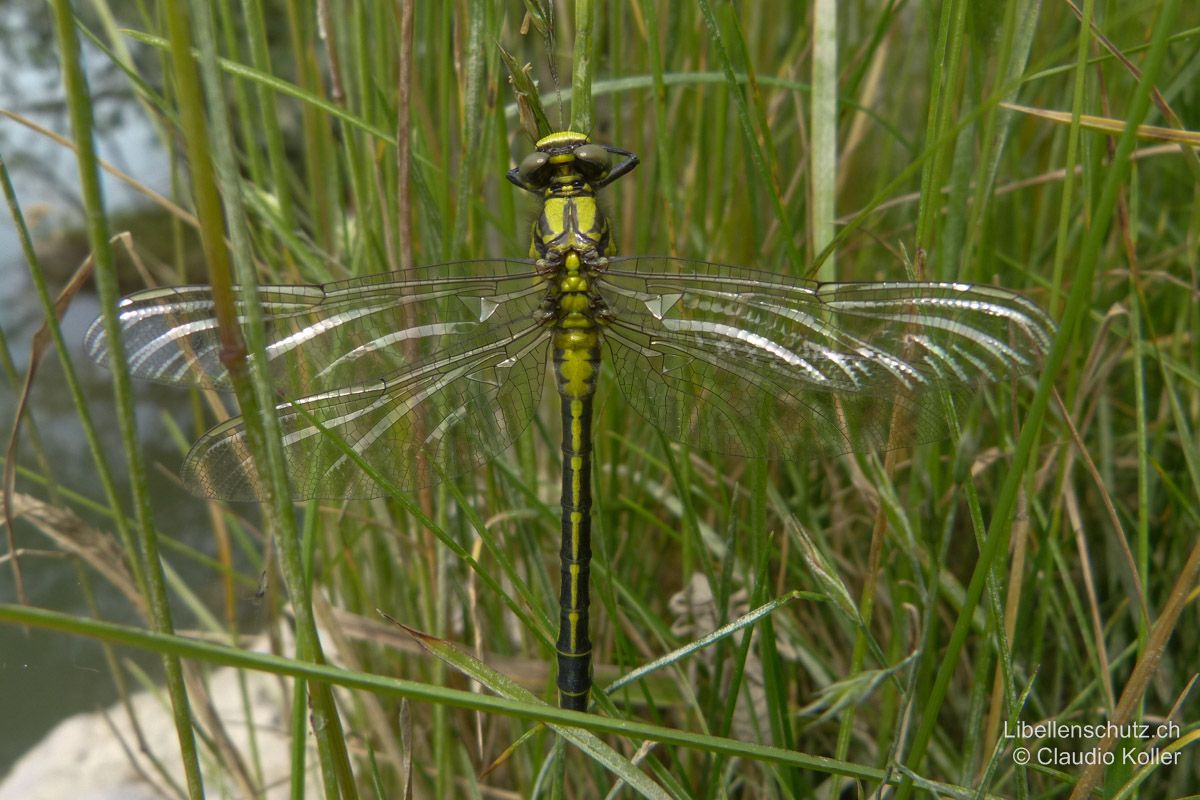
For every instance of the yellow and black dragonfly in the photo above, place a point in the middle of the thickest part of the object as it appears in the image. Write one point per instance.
(428, 373)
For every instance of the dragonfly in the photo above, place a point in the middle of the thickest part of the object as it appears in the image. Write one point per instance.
(428, 373)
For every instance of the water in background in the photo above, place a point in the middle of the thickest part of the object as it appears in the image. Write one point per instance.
(45, 677)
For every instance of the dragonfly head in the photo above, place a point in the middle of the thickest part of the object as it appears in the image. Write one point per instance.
(568, 158)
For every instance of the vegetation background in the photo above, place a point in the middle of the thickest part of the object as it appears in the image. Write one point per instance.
(1039, 564)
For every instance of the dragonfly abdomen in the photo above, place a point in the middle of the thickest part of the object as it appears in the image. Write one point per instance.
(576, 367)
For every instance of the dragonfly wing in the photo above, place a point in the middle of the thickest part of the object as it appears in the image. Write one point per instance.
(324, 337)
(740, 361)
(438, 418)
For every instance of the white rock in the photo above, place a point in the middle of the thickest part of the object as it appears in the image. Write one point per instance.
(95, 756)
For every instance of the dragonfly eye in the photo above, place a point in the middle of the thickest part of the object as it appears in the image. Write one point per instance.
(533, 168)
(593, 160)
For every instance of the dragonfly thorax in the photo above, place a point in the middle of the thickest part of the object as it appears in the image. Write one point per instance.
(571, 224)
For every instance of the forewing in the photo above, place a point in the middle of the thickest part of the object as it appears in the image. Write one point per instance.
(744, 362)
(320, 338)
(440, 417)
